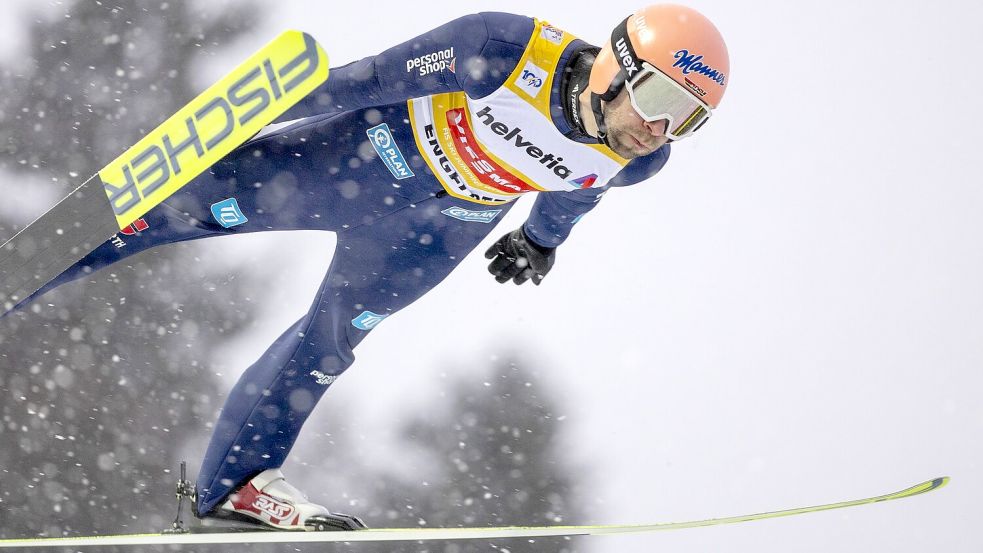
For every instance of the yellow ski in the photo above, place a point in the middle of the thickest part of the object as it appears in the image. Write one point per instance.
(422, 534)
(213, 124)
(208, 128)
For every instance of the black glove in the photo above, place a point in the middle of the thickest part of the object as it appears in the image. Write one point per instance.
(517, 258)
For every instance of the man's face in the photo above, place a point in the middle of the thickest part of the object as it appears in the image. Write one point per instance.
(629, 135)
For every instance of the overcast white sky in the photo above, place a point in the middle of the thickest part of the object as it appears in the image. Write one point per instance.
(791, 313)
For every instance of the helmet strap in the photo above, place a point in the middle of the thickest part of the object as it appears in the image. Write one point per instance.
(628, 65)
(602, 128)
(617, 83)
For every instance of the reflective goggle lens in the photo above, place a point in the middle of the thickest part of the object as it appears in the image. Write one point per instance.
(655, 96)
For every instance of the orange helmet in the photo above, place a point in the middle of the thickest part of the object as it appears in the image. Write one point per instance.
(655, 47)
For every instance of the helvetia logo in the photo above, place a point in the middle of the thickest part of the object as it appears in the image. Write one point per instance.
(513, 135)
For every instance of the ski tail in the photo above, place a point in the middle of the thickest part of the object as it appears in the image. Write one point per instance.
(208, 128)
(220, 119)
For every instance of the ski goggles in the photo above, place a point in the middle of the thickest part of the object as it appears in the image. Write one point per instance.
(656, 96)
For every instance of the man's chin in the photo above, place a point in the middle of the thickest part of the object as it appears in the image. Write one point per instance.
(624, 146)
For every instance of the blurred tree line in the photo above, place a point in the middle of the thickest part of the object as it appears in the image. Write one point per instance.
(105, 382)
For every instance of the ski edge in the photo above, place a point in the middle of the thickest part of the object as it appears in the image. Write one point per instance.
(424, 534)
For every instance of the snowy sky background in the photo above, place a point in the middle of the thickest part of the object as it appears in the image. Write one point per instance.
(791, 313)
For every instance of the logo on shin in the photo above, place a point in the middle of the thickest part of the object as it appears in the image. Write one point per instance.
(367, 320)
(228, 214)
(381, 138)
(470, 216)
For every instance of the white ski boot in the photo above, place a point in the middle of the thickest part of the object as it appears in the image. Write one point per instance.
(269, 500)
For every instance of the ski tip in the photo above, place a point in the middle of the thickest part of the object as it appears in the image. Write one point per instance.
(924, 487)
(939, 482)
(295, 34)
(292, 32)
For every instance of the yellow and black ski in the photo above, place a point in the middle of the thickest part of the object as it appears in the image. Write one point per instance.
(220, 119)
(419, 534)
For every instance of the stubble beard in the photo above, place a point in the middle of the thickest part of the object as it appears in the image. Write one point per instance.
(622, 144)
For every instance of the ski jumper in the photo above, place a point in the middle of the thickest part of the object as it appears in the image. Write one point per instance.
(411, 157)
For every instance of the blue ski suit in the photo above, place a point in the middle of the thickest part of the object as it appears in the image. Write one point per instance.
(359, 157)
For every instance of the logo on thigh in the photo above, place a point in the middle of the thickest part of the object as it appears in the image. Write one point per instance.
(134, 229)
(471, 216)
(367, 320)
(228, 214)
(381, 138)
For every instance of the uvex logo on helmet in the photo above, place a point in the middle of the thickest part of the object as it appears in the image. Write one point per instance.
(693, 63)
(627, 59)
